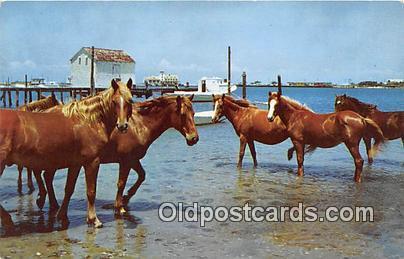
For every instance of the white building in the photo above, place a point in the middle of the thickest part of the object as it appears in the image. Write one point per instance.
(162, 80)
(108, 64)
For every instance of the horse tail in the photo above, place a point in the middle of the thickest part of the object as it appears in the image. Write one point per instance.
(309, 149)
(374, 131)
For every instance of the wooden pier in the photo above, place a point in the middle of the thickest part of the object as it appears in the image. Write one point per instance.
(16, 96)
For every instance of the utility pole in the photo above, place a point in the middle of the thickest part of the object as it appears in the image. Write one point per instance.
(228, 69)
(92, 85)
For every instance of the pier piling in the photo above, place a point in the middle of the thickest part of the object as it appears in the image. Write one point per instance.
(244, 79)
(17, 98)
(10, 100)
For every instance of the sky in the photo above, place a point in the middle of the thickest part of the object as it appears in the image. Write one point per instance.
(303, 41)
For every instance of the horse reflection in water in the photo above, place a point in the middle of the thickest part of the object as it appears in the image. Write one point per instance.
(148, 121)
(78, 130)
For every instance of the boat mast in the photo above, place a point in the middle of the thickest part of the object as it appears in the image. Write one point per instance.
(228, 70)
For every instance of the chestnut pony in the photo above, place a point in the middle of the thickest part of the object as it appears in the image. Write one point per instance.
(70, 136)
(149, 120)
(391, 123)
(250, 124)
(35, 106)
(322, 130)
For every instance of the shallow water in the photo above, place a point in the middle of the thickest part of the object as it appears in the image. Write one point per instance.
(206, 173)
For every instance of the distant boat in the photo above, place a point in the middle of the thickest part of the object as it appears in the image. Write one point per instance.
(213, 85)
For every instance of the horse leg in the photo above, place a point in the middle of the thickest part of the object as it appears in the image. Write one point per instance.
(354, 150)
(124, 168)
(368, 144)
(40, 200)
(5, 217)
(243, 143)
(253, 153)
(290, 152)
(29, 178)
(53, 203)
(91, 173)
(137, 166)
(71, 180)
(19, 181)
(299, 146)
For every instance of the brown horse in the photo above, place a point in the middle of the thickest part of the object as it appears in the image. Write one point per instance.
(322, 130)
(391, 123)
(71, 136)
(35, 106)
(250, 124)
(148, 121)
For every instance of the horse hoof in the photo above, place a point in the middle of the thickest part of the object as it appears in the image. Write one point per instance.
(40, 202)
(94, 222)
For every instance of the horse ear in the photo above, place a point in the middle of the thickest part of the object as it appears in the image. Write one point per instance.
(279, 85)
(213, 97)
(129, 84)
(114, 84)
(191, 97)
(344, 95)
(178, 103)
(223, 95)
(269, 93)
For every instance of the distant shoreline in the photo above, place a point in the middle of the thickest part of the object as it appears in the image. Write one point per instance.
(327, 87)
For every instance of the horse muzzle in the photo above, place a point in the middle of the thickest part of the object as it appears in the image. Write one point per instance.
(192, 139)
(122, 127)
(271, 119)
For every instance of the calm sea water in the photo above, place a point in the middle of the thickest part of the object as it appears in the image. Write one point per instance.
(206, 173)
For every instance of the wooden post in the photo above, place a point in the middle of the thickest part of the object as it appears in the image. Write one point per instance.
(203, 86)
(4, 99)
(228, 70)
(30, 96)
(244, 79)
(25, 90)
(92, 85)
(10, 100)
(38, 94)
(17, 98)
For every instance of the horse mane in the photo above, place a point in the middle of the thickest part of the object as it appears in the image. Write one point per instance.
(91, 108)
(241, 102)
(365, 108)
(155, 104)
(40, 105)
(296, 104)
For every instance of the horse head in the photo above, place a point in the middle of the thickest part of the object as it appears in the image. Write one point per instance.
(122, 103)
(218, 101)
(274, 100)
(183, 119)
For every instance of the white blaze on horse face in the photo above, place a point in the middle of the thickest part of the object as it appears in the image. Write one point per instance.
(271, 111)
(121, 106)
(338, 102)
(215, 111)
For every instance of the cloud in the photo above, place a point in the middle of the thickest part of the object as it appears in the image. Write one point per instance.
(167, 65)
(27, 64)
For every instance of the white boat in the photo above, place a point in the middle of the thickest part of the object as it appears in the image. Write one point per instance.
(213, 85)
(204, 118)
